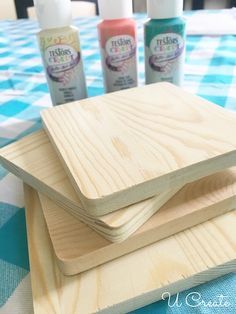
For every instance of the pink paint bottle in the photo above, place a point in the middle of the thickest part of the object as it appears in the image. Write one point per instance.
(118, 44)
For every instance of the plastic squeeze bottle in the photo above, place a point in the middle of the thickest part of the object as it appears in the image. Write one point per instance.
(60, 50)
(118, 44)
(164, 42)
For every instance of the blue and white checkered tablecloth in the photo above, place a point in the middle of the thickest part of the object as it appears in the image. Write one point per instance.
(210, 73)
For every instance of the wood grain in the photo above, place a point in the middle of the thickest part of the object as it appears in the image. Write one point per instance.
(109, 161)
(185, 260)
(35, 162)
(78, 248)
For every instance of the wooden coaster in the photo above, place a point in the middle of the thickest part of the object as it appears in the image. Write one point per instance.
(35, 162)
(78, 248)
(185, 260)
(124, 147)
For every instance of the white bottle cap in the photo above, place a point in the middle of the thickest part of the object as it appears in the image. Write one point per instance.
(53, 13)
(115, 9)
(164, 9)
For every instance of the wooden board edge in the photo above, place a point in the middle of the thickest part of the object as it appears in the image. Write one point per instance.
(139, 240)
(180, 286)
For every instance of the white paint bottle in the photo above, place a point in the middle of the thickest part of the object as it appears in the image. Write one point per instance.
(60, 50)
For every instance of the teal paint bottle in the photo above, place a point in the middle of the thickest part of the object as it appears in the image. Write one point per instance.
(164, 42)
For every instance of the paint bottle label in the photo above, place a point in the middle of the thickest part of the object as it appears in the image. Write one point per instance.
(119, 58)
(165, 58)
(64, 68)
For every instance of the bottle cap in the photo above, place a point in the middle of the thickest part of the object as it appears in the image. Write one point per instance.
(164, 9)
(115, 9)
(53, 13)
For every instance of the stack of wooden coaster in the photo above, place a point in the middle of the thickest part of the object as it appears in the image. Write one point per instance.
(115, 174)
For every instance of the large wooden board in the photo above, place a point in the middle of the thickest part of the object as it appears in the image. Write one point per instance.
(78, 248)
(34, 160)
(180, 262)
(111, 164)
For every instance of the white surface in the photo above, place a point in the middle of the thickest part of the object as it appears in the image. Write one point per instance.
(11, 191)
(31, 13)
(111, 10)
(7, 9)
(159, 9)
(223, 23)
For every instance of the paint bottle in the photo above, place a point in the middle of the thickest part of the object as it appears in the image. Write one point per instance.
(118, 44)
(60, 50)
(164, 42)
